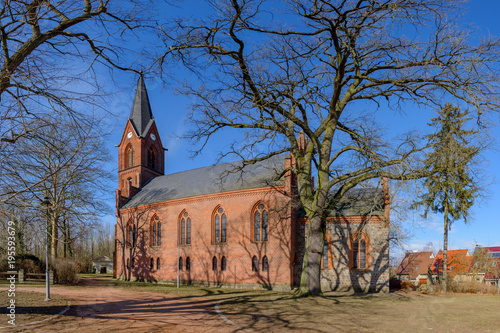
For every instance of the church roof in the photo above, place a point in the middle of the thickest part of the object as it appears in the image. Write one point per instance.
(360, 202)
(141, 116)
(209, 180)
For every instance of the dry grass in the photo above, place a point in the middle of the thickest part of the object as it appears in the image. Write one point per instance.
(368, 313)
(30, 306)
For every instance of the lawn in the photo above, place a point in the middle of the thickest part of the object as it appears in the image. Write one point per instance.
(30, 306)
(270, 311)
(262, 310)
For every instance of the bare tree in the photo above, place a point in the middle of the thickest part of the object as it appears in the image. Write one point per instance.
(64, 164)
(50, 50)
(323, 68)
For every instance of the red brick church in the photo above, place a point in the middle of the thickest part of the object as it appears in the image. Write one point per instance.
(225, 225)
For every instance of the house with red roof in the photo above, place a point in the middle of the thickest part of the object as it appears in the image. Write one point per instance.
(415, 266)
(459, 262)
(485, 265)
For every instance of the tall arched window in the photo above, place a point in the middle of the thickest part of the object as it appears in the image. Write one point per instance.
(151, 264)
(158, 238)
(158, 263)
(260, 223)
(223, 263)
(130, 235)
(185, 229)
(325, 254)
(255, 264)
(156, 231)
(188, 264)
(152, 157)
(130, 157)
(214, 263)
(134, 238)
(181, 264)
(359, 251)
(219, 226)
(265, 264)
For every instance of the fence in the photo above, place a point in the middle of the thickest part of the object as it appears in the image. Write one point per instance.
(34, 277)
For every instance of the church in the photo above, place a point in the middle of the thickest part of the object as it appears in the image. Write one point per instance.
(232, 226)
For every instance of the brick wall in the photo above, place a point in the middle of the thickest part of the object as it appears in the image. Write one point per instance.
(238, 249)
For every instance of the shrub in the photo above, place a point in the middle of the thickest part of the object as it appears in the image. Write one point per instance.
(469, 287)
(65, 271)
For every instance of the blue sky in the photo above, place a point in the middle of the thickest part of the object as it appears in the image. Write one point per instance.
(169, 111)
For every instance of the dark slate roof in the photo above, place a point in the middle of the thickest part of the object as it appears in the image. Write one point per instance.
(141, 116)
(358, 202)
(209, 180)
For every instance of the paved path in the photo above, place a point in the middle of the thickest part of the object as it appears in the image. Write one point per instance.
(101, 308)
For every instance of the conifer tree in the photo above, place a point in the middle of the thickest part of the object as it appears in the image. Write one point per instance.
(451, 188)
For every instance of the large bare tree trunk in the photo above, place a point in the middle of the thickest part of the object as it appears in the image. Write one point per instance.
(310, 280)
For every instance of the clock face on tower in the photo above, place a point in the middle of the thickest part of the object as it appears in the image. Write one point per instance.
(129, 135)
(153, 137)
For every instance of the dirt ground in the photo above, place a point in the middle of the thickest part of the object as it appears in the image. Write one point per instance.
(96, 307)
(110, 306)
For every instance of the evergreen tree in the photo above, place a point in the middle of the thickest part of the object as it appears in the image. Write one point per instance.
(451, 188)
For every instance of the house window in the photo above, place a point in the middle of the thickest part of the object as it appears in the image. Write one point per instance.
(156, 232)
(185, 229)
(188, 264)
(255, 264)
(223, 264)
(158, 263)
(214, 264)
(152, 157)
(151, 264)
(358, 255)
(265, 264)
(219, 226)
(181, 264)
(130, 157)
(260, 223)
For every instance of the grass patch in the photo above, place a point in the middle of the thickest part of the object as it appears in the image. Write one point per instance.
(30, 306)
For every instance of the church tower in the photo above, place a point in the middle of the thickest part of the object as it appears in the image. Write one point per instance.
(141, 153)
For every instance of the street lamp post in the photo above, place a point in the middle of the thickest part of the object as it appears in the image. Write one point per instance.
(46, 205)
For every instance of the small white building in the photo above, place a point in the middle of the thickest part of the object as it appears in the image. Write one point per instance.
(103, 265)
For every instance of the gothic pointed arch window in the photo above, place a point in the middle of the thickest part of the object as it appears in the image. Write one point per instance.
(188, 264)
(359, 251)
(151, 264)
(223, 264)
(130, 157)
(260, 223)
(185, 229)
(155, 231)
(219, 226)
(181, 264)
(131, 234)
(158, 263)
(265, 264)
(152, 157)
(255, 264)
(214, 263)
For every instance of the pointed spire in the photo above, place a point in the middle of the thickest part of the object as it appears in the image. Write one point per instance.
(141, 116)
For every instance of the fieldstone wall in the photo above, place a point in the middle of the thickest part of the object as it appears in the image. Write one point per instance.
(338, 276)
